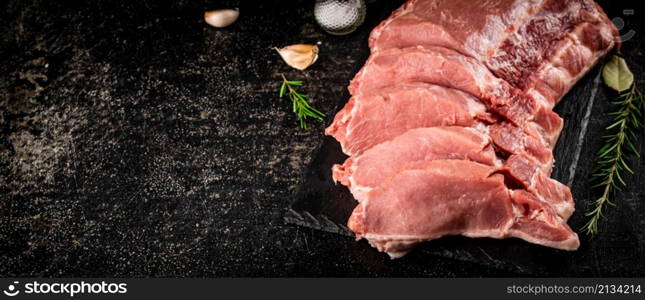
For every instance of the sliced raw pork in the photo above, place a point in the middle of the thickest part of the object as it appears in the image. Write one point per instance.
(454, 197)
(450, 126)
(383, 114)
(362, 173)
(540, 46)
(441, 66)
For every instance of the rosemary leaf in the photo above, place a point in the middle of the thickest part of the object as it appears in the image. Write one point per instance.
(611, 165)
(299, 104)
(283, 88)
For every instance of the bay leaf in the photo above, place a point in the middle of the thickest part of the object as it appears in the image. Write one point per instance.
(617, 75)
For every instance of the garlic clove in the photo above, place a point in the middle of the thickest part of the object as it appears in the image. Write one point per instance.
(299, 56)
(221, 17)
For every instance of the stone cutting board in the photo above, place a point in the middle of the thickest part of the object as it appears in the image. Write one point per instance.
(619, 248)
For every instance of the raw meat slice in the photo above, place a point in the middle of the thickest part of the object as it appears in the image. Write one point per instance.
(383, 114)
(539, 45)
(435, 65)
(513, 140)
(474, 28)
(537, 223)
(527, 173)
(362, 173)
(441, 66)
(571, 59)
(451, 197)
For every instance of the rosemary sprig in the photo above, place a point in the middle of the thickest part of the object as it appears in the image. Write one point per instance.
(299, 102)
(619, 144)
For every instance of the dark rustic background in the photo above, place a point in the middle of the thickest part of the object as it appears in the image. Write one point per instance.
(137, 141)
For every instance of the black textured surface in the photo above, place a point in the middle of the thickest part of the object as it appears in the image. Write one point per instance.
(137, 141)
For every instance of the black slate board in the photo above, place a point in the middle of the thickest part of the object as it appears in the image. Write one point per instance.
(322, 205)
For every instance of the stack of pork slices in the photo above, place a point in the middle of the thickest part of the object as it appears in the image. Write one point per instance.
(450, 128)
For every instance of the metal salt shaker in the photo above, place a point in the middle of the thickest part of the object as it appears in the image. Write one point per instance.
(339, 17)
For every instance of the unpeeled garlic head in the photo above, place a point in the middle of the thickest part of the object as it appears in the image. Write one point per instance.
(221, 17)
(299, 56)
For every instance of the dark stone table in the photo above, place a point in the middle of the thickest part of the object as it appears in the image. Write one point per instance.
(135, 140)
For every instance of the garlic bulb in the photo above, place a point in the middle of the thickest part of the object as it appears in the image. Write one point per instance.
(299, 56)
(221, 17)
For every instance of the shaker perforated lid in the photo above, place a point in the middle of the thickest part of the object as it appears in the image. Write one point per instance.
(339, 17)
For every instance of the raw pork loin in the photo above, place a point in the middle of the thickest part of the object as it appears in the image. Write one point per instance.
(443, 197)
(450, 125)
